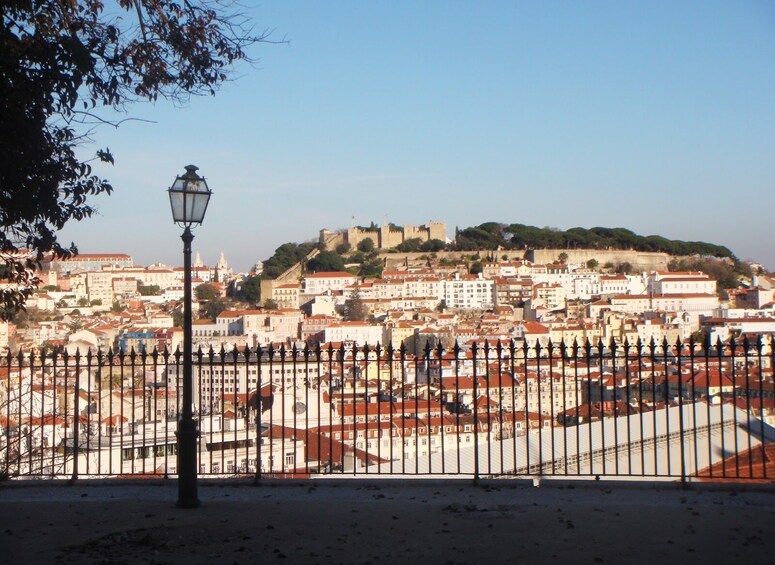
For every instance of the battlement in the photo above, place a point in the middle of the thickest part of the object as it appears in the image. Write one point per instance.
(384, 237)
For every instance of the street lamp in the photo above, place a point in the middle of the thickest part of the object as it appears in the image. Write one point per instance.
(189, 195)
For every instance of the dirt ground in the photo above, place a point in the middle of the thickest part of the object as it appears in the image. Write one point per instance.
(407, 522)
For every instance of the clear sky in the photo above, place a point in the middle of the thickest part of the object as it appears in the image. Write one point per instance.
(654, 116)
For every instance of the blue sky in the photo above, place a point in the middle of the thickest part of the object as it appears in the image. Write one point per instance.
(654, 116)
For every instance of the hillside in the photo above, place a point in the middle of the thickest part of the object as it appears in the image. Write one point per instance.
(365, 260)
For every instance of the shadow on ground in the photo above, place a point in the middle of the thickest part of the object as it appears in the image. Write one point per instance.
(413, 521)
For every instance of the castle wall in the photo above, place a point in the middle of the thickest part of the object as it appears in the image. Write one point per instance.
(437, 230)
(640, 260)
(384, 237)
(390, 237)
(355, 235)
(330, 239)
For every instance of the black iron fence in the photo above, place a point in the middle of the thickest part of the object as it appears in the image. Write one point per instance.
(682, 411)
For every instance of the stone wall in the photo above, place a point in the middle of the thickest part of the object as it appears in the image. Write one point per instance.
(384, 237)
(640, 260)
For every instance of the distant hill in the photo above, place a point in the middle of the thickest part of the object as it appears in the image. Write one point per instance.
(494, 235)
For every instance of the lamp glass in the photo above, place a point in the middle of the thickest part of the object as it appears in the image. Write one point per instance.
(189, 196)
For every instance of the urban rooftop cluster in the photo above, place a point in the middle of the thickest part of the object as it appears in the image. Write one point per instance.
(336, 371)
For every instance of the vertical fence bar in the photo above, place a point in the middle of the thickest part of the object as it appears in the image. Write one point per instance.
(748, 407)
(294, 367)
(259, 452)
(474, 351)
(693, 398)
(236, 409)
(76, 414)
(342, 378)
(762, 439)
(527, 395)
(540, 409)
(390, 354)
(681, 423)
(60, 400)
(56, 425)
(318, 379)
(601, 388)
(615, 399)
(456, 353)
(487, 399)
(590, 438)
(367, 401)
(720, 356)
(378, 427)
(562, 416)
(628, 400)
(7, 455)
(641, 404)
(88, 420)
(733, 377)
(308, 382)
(501, 399)
(550, 361)
(577, 405)
(429, 416)
(442, 416)
(707, 407)
(330, 353)
(415, 425)
(273, 407)
(665, 353)
(43, 418)
(166, 411)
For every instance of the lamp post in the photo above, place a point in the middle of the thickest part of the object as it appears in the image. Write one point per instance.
(189, 195)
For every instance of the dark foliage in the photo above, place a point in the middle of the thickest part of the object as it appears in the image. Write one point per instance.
(366, 245)
(326, 261)
(250, 290)
(354, 308)
(285, 257)
(206, 291)
(61, 61)
(492, 235)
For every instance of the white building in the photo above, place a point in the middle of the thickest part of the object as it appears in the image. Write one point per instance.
(469, 292)
(322, 283)
(359, 332)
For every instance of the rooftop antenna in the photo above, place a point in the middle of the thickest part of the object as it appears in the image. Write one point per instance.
(352, 222)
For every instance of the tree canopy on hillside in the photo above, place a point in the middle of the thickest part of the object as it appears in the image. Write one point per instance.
(493, 235)
(326, 261)
(285, 257)
(251, 289)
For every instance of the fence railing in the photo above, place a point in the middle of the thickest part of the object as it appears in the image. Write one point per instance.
(679, 411)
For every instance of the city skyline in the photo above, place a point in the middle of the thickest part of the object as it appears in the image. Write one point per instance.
(654, 117)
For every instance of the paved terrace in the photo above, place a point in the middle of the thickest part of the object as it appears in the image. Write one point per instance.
(410, 521)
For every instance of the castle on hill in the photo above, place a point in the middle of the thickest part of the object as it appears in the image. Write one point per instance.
(384, 237)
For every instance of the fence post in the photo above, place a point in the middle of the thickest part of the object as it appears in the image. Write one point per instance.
(76, 410)
(681, 424)
(474, 350)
